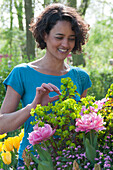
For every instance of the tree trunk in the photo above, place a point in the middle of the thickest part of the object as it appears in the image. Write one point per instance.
(11, 26)
(30, 43)
(79, 59)
(19, 9)
(83, 7)
(73, 3)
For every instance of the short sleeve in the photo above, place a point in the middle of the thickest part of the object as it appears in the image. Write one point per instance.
(14, 79)
(84, 79)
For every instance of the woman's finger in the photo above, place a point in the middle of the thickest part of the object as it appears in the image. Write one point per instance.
(54, 88)
(40, 90)
(54, 98)
(47, 87)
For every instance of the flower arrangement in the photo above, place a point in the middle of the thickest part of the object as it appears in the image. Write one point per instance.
(69, 135)
(65, 135)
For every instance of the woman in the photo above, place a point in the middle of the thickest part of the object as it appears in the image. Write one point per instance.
(60, 30)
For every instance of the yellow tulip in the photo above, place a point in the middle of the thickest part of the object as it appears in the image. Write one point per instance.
(6, 157)
(1, 145)
(3, 136)
(16, 142)
(4, 148)
(8, 144)
(21, 134)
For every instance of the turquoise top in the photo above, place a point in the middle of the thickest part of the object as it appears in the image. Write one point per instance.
(24, 80)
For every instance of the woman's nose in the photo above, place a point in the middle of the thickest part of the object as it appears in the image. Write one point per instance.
(65, 43)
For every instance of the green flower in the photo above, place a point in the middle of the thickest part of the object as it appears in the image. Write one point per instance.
(72, 127)
(32, 112)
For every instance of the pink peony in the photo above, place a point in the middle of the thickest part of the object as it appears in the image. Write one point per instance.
(40, 134)
(90, 121)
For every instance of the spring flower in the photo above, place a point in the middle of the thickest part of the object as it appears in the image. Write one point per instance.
(100, 103)
(1, 144)
(6, 157)
(8, 143)
(40, 134)
(21, 134)
(88, 122)
(82, 110)
(16, 142)
(3, 136)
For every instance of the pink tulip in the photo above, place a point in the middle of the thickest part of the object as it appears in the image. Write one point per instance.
(100, 104)
(40, 134)
(90, 121)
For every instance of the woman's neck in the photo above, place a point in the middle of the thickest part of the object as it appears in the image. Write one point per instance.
(51, 67)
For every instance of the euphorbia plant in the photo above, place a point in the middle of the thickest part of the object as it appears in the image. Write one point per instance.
(61, 116)
(65, 145)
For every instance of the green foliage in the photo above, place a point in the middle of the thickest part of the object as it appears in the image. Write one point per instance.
(4, 71)
(61, 115)
(107, 111)
(101, 80)
(90, 151)
(44, 162)
(97, 53)
(13, 42)
(99, 47)
(66, 145)
(110, 92)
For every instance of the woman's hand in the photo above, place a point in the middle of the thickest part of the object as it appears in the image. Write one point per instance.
(42, 94)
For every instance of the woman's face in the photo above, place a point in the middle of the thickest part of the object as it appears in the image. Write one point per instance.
(60, 41)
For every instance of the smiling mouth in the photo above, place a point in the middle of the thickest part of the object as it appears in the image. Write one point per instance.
(63, 50)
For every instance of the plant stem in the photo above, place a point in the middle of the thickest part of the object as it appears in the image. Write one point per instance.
(91, 140)
(45, 146)
(53, 147)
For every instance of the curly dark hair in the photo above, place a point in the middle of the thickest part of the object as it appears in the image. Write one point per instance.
(48, 19)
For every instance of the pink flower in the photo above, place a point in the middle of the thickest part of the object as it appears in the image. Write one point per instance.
(40, 134)
(100, 104)
(82, 110)
(90, 121)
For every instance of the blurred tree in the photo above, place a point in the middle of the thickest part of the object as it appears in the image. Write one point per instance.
(72, 3)
(78, 59)
(19, 8)
(47, 2)
(11, 25)
(30, 43)
(83, 7)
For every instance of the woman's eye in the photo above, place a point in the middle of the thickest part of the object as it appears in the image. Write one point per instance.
(59, 38)
(71, 39)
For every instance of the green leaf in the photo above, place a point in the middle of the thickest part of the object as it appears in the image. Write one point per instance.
(26, 168)
(34, 158)
(30, 168)
(44, 165)
(90, 151)
(44, 155)
(95, 140)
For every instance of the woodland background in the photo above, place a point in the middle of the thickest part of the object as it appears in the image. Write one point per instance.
(17, 44)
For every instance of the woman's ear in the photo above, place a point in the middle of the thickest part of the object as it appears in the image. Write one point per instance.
(45, 37)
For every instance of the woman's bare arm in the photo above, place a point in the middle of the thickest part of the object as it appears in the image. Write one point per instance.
(84, 94)
(10, 119)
